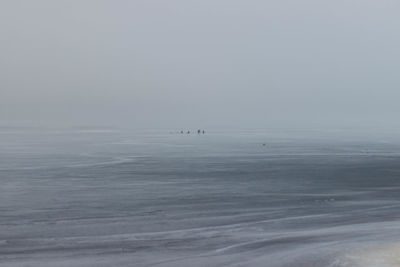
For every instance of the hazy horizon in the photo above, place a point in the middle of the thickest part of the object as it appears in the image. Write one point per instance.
(190, 64)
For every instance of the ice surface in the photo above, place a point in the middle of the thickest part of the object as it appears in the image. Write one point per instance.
(109, 198)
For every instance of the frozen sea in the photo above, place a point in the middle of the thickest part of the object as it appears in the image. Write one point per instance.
(270, 198)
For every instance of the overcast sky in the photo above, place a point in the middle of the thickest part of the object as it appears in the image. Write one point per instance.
(203, 63)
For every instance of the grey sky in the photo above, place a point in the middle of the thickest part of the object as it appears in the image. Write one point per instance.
(208, 63)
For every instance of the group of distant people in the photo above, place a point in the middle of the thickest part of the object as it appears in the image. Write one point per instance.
(199, 131)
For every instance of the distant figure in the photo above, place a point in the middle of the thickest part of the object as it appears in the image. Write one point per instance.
(204, 132)
(264, 144)
(188, 132)
(181, 132)
(198, 131)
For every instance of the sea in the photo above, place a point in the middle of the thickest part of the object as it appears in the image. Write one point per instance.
(263, 198)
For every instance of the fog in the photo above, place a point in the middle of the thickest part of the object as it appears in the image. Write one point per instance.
(210, 63)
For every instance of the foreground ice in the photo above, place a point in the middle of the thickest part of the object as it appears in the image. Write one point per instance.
(384, 256)
(121, 199)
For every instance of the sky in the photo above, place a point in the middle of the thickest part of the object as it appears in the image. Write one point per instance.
(210, 63)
